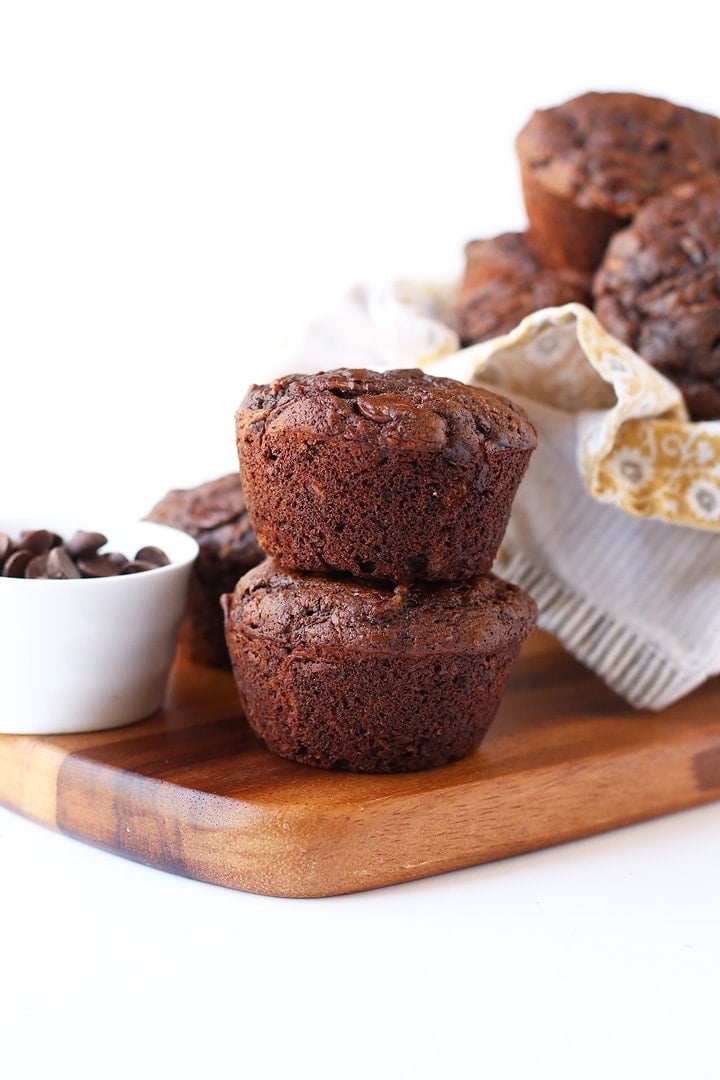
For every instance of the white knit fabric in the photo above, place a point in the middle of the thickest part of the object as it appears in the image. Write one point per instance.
(637, 601)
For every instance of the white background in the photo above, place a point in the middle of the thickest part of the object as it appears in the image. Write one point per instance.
(181, 185)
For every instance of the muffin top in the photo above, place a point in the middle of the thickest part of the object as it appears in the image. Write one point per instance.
(613, 151)
(405, 409)
(301, 610)
(658, 287)
(213, 513)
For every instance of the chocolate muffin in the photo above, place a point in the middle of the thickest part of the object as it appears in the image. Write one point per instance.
(399, 475)
(590, 164)
(658, 290)
(215, 515)
(355, 675)
(504, 282)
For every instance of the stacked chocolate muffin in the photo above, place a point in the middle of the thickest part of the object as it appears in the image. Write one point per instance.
(375, 638)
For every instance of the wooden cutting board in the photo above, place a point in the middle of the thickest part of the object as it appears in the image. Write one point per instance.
(192, 791)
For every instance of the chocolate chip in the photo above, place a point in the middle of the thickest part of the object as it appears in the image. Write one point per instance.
(85, 543)
(39, 541)
(117, 558)
(16, 564)
(101, 565)
(6, 546)
(137, 566)
(152, 555)
(416, 566)
(60, 566)
(37, 567)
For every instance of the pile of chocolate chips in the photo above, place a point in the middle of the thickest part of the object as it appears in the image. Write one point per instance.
(43, 554)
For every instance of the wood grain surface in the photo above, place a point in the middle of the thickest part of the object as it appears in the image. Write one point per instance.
(193, 792)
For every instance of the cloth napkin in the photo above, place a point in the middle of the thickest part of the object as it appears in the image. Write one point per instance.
(615, 530)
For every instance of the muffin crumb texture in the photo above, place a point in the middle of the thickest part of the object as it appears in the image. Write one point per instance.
(398, 475)
(355, 675)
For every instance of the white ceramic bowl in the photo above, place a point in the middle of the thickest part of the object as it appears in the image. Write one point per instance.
(84, 655)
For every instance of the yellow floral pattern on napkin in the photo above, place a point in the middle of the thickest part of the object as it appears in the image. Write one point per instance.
(636, 447)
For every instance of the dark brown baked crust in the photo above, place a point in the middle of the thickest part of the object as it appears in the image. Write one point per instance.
(504, 282)
(216, 516)
(588, 165)
(658, 290)
(355, 675)
(397, 475)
